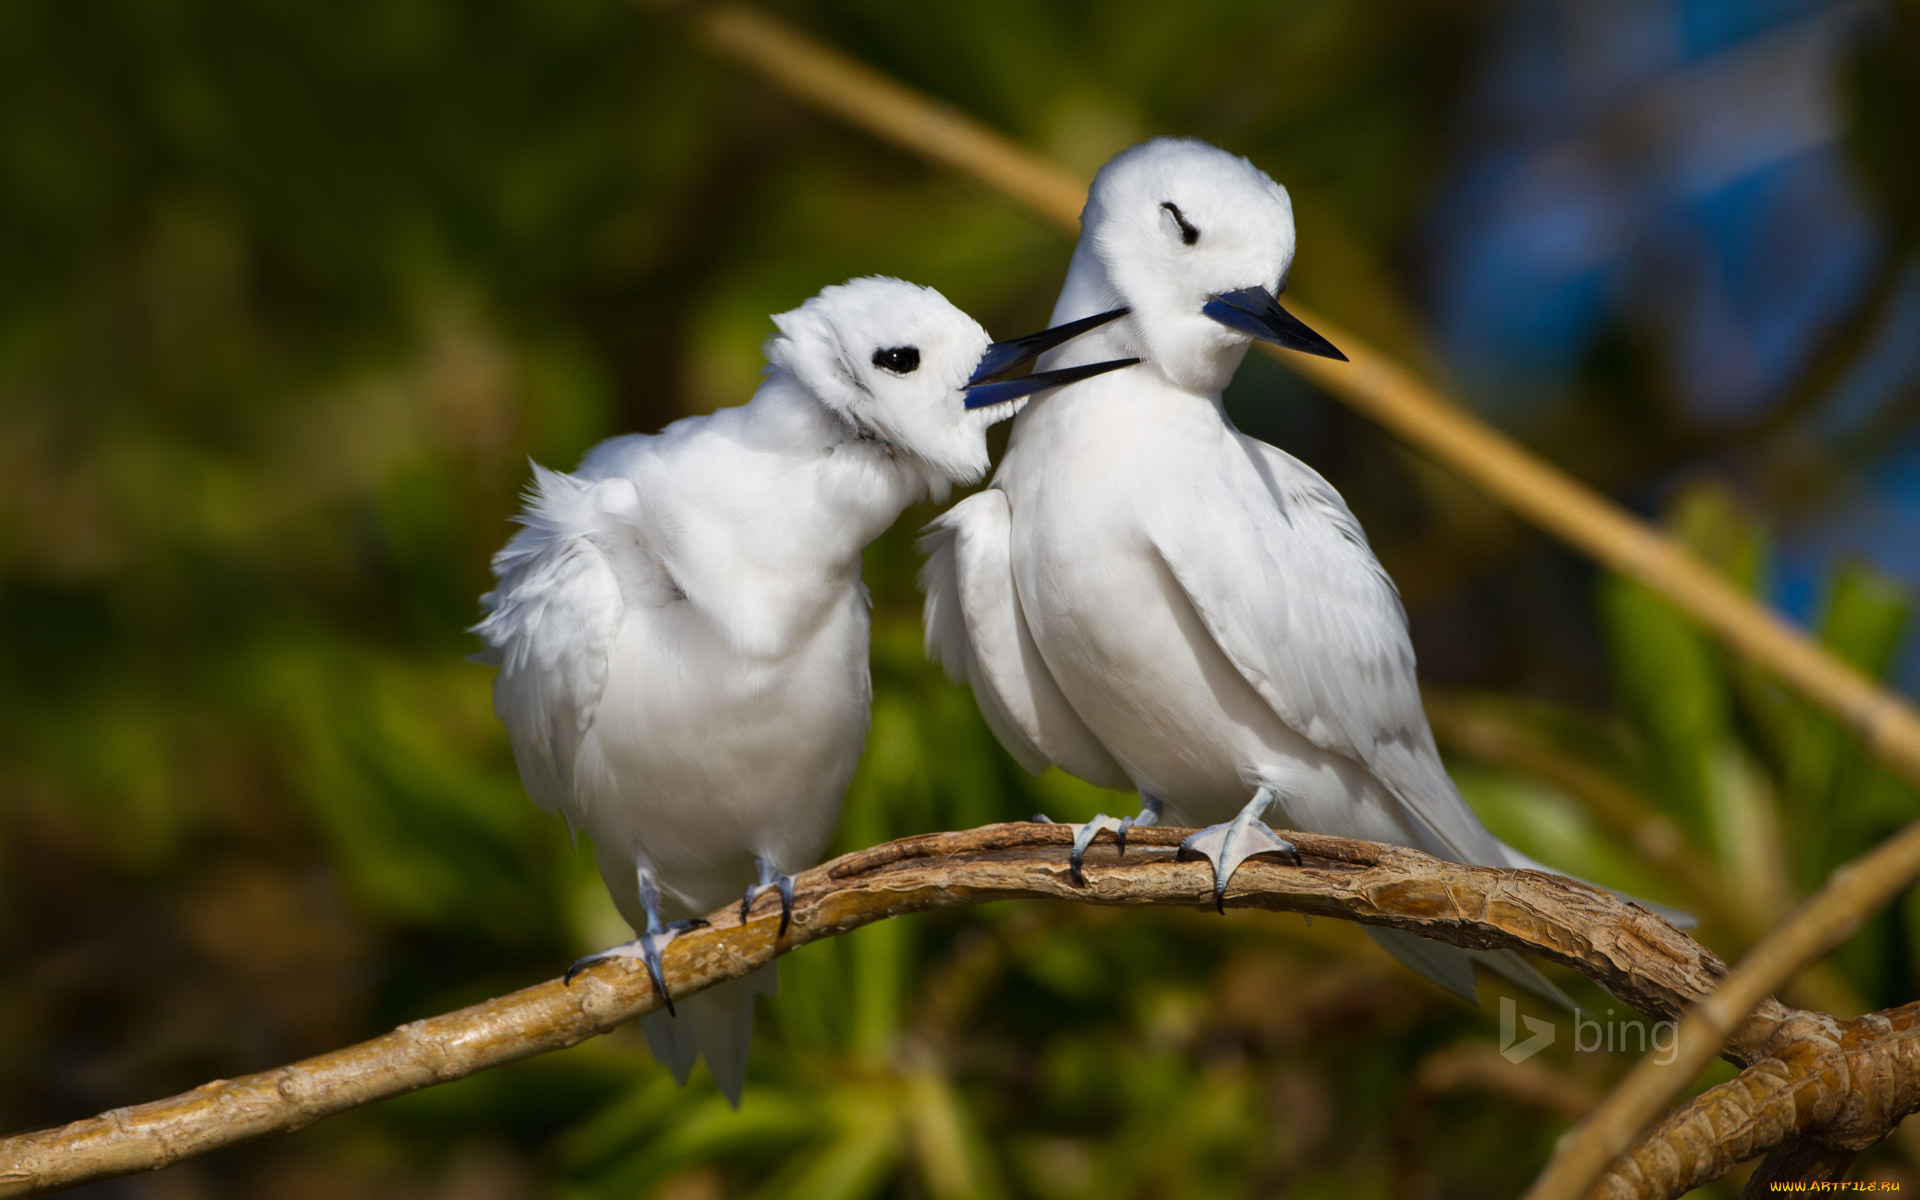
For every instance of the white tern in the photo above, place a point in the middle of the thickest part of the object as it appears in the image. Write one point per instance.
(682, 633)
(1152, 600)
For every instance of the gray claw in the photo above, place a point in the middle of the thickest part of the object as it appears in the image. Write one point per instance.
(642, 948)
(1083, 836)
(1149, 814)
(1077, 857)
(651, 957)
(1227, 846)
(656, 942)
(770, 877)
(647, 949)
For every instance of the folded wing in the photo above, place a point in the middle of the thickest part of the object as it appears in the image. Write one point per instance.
(1282, 576)
(550, 626)
(976, 632)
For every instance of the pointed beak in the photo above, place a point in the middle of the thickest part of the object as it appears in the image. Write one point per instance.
(1002, 358)
(1254, 310)
(999, 391)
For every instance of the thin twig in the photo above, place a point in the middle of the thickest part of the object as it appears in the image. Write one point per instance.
(1829, 917)
(1529, 1084)
(1373, 382)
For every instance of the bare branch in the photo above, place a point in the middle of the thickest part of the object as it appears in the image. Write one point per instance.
(1476, 730)
(1829, 917)
(1834, 1089)
(1861, 1070)
(1805, 1160)
(1634, 954)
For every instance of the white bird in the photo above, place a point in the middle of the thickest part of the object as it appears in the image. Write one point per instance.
(681, 629)
(1153, 600)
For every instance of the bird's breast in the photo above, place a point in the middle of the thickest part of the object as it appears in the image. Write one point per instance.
(1119, 636)
(700, 754)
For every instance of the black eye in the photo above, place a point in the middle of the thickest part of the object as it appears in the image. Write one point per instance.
(901, 360)
(1188, 233)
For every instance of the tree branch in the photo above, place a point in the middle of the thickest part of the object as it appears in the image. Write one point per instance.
(1833, 1089)
(1634, 954)
(1476, 729)
(1854, 893)
(1861, 1068)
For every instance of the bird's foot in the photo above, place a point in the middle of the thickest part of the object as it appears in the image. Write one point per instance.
(1227, 846)
(646, 948)
(770, 877)
(1083, 835)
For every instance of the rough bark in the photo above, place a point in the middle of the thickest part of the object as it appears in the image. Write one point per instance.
(1826, 1090)
(1827, 918)
(1858, 1072)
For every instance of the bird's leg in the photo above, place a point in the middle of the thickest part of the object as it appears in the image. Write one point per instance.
(648, 945)
(1084, 834)
(1227, 846)
(1149, 815)
(770, 877)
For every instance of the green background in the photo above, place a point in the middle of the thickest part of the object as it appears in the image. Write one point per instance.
(289, 294)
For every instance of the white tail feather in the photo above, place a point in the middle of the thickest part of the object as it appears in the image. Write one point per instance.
(1452, 968)
(717, 1023)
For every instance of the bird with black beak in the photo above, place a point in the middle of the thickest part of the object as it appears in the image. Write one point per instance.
(682, 632)
(1154, 601)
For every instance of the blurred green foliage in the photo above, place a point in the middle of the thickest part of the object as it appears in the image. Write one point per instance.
(288, 295)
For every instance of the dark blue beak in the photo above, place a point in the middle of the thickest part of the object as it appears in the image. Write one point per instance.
(990, 384)
(1254, 310)
(999, 391)
(1002, 357)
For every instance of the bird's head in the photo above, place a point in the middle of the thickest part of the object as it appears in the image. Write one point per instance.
(902, 366)
(1197, 243)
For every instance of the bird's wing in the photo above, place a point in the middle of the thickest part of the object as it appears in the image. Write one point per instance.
(550, 626)
(1282, 576)
(976, 632)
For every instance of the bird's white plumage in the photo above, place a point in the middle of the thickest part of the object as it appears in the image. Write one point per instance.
(1295, 598)
(551, 632)
(984, 642)
(1199, 604)
(681, 629)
